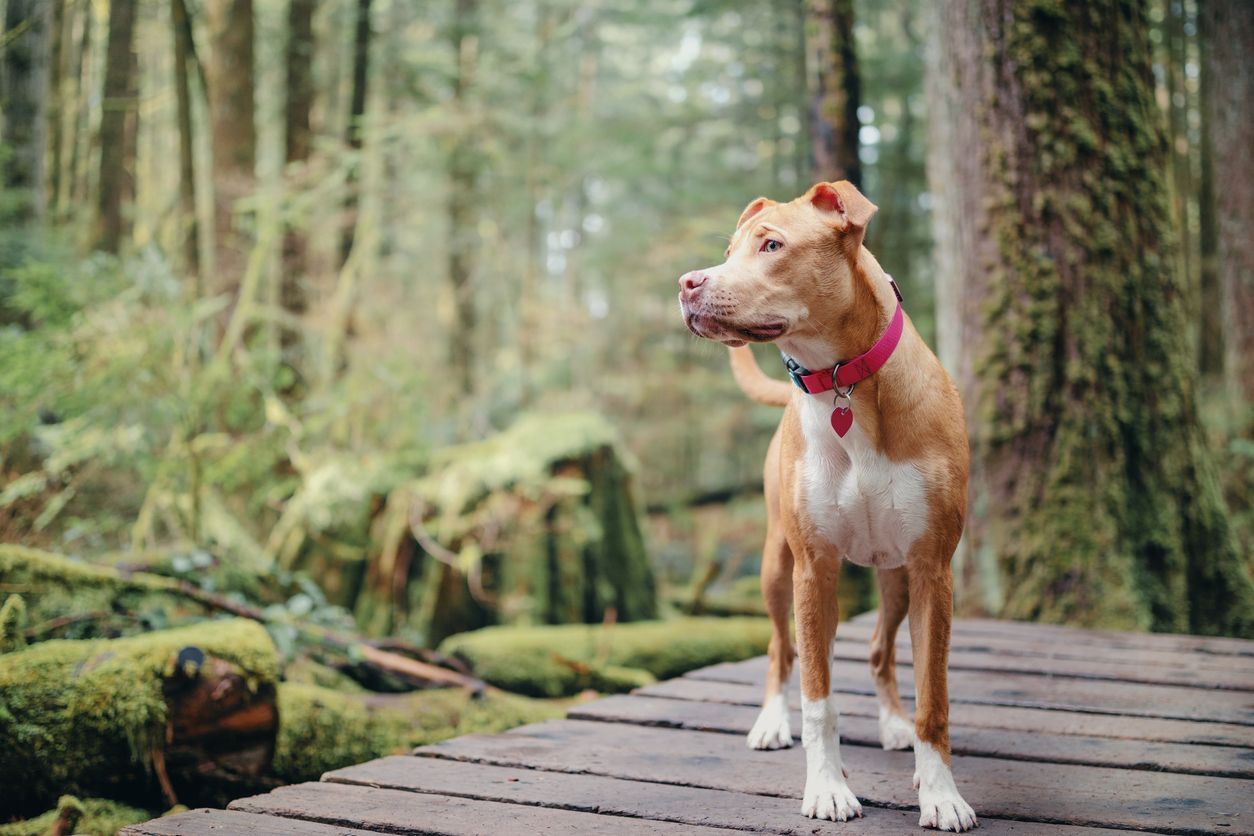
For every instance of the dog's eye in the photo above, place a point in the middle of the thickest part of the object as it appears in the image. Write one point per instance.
(770, 245)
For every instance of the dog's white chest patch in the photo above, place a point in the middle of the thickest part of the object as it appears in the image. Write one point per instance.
(870, 508)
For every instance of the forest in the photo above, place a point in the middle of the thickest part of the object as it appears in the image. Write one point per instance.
(341, 370)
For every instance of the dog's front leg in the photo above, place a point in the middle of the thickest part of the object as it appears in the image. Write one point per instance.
(827, 795)
(931, 613)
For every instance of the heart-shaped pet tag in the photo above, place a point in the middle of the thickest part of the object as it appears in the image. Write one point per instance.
(842, 420)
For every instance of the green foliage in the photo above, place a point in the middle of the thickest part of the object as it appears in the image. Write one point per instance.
(88, 817)
(559, 660)
(85, 715)
(322, 729)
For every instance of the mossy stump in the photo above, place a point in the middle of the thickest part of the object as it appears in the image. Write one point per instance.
(536, 525)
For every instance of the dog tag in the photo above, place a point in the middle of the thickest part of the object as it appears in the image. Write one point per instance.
(842, 420)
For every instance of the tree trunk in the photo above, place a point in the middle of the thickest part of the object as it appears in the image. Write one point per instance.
(835, 91)
(184, 58)
(117, 137)
(231, 112)
(1095, 498)
(57, 59)
(1210, 294)
(23, 87)
(463, 215)
(1228, 42)
(356, 126)
(298, 143)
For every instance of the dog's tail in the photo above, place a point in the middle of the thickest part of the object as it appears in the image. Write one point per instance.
(755, 384)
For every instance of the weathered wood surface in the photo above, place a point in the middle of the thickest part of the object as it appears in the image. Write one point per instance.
(1056, 731)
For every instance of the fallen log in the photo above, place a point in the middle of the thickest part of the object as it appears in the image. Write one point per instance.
(183, 715)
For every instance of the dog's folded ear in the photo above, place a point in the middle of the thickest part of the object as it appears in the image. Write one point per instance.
(755, 206)
(845, 201)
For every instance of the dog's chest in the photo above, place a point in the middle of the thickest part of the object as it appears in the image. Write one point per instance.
(872, 509)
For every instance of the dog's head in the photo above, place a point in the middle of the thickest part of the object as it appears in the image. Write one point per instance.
(788, 270)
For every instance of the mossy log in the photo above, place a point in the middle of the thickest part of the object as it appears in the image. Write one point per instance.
(85, 817)
(187, 714)
(552, 661)
(534, 525)
(324, 729)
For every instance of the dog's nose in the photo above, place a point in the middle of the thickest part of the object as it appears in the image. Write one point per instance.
(692, 280)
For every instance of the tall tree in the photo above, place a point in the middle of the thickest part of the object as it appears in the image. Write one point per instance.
(118, 131)
(231, 114)
(184, 60)
(1098, 498)
(298, 143)
(835, 91)
(23, 83)
(57, 61)
(1227, 28)
(356, 123)
(463, 172)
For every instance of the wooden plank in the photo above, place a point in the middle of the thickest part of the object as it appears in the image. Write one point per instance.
(1009, 718)
(999, 653)
(993, 743)
(395, 811)
(1096, 796)
(231, 823)
(647, 800)
(1130, 698)
(1034, 632)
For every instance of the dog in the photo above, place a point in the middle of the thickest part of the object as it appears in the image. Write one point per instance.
(869, 463)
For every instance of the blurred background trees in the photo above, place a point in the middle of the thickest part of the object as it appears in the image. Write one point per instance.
(263, 260)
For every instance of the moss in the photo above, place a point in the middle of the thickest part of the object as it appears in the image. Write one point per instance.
(543, 524)
(13, 624)
(321, 729)
(552, 661)
(92, 817)
(84, 715)
(1101, 501)
(53, 586)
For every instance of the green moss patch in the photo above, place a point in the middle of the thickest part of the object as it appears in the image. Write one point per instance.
(552, 661)
(89, 817)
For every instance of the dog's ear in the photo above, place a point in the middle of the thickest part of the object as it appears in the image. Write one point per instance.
(843, 200)
(755, 206)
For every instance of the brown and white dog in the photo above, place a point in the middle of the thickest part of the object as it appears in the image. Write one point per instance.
(886, 489)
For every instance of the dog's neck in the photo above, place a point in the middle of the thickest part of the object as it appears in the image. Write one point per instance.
(857, 328)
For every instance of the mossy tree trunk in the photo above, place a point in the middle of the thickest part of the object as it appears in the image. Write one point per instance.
(1095, 498)
(231, 114)
(1227, 29)
(23, 81)
(119, 112)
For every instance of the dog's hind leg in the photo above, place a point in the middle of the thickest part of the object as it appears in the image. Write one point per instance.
(772, 729)
(896, 729)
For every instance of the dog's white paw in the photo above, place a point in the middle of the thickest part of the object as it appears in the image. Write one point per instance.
(829, 797)
(940, 804)
(947, 812)
(771, 730)
(896, 732)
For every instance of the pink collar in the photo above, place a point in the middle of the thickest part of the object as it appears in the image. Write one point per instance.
(842, 377)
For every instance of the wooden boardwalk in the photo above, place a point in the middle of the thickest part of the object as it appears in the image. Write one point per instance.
(1056, 731)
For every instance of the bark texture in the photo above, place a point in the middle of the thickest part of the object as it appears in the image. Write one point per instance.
(184, 59)
(117, 138)
(1095, 499)
(463, 169)
(231, 112)
(1228, 31)
(835, 90)
(23, 82)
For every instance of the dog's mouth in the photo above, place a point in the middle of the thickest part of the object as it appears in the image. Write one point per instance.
(733, 334)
